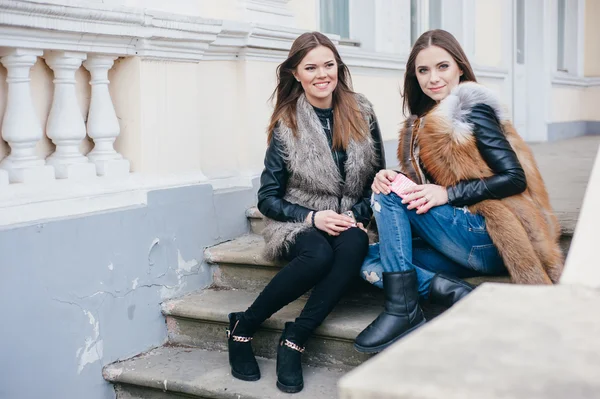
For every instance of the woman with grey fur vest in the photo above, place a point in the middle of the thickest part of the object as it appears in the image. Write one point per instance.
(324, 148)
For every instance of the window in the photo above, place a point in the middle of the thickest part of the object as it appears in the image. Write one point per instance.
(521, 32)
(335, 17)
(424, 16)
(435, 14)
(569, 36)
(561, 63)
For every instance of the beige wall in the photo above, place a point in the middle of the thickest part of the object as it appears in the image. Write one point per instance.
(575, 104)
(384, 93)
(592, 38)
(305, 12)
(489, 19)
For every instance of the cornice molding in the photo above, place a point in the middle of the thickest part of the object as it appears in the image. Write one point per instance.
(563, 79)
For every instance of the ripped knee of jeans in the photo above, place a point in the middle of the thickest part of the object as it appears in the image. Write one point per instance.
(371, 277)
(375, 204)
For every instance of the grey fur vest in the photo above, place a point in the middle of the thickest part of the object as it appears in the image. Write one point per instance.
(315, 181)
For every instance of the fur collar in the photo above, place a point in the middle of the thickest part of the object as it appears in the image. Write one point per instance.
(459, 103)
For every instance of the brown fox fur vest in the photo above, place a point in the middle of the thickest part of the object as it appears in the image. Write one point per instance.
(523, 227)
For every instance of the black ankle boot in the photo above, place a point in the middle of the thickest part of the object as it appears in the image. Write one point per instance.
(446, 291)
(401, 314)
(289, 359)
(239, 340)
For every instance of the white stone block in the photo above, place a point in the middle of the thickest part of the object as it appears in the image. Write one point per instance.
(112, 168)
(31, 175)
(3, 178)
(75, 171)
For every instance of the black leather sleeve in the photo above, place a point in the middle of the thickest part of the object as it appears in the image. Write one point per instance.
(508, 178)
(273, 182)
(362, 209)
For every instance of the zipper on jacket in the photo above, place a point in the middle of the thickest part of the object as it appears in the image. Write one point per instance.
(415, 130)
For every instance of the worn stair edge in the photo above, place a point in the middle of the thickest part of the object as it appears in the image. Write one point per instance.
(567, 221)
(248, 251)
(345, 322)
(205, 374)
(200, 320)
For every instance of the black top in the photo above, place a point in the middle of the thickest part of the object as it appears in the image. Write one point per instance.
(273, 180)
(509, 177)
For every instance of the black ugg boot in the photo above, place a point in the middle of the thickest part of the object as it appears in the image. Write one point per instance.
(289, 359)
(446, 291)
(239, 340)
(401, 315)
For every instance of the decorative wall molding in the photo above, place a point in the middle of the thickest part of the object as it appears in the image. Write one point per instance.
(490, 72)
(123, 31)
(97, 28)
(563, 79)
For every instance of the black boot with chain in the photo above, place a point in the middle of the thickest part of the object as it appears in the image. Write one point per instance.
(289, 358)
(239, 340)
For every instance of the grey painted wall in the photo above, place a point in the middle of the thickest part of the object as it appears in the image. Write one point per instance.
(567, 130)
(80, 293)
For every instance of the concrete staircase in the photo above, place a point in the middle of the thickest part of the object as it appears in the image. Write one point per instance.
(193, 363)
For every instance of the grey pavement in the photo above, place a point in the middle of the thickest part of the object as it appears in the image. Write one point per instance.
(566, 166)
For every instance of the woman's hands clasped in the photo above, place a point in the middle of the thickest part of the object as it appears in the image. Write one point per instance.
(333, 223)
(423, 197)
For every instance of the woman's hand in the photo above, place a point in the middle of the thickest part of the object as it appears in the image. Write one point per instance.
(383, 180)
(332, 223)
(362, 227)
(425, 197)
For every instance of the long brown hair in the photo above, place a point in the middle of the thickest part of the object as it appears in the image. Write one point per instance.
(415, 101)
(348, 120)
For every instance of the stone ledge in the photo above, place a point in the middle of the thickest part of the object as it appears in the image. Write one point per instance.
(503, 341)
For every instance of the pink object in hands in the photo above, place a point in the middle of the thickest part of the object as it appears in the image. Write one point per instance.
(401, 183)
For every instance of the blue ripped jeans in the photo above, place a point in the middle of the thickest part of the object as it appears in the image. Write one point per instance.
(446, 240)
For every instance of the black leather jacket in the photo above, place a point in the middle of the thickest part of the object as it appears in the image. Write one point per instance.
(273, 180)
(509, 177)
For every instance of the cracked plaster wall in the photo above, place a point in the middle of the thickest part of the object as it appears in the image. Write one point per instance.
(83, 292)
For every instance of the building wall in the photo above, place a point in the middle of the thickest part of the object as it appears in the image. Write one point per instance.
(489, 34)
(592, 33)
(80, 293)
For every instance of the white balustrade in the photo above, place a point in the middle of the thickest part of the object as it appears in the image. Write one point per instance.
(65, 126)
(102, 124)
(21, 127)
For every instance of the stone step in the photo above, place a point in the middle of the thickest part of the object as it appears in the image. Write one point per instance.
(180, 372)
(200, 320)
(567, 221)
(256, 219)
(243, 266)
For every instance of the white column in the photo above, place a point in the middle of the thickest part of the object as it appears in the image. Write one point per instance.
(21, 127)
(102, 123)
(65, 124)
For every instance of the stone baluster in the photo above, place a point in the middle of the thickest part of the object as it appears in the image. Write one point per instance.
(102, 124)
(65, 126)
(21, 127)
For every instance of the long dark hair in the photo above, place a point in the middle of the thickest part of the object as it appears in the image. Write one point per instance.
(415, 101)
(348, 120)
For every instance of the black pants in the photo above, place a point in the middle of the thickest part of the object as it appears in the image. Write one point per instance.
(317, 260)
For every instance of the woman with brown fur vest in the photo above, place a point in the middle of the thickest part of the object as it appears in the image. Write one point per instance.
(324, 150)
(480, 206)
